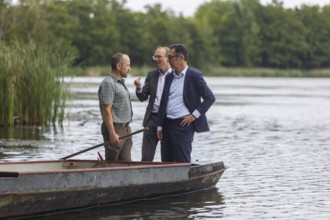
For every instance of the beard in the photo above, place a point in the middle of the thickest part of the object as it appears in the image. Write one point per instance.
(123, 74)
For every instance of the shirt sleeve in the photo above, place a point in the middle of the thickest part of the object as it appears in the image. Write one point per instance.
(106, 94)
(196, 113)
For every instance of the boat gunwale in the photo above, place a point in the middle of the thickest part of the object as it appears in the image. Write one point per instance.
(209, 174)
(145, 165)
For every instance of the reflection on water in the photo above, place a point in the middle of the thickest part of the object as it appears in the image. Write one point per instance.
(22, 133)
(272, 133)
(198, 205)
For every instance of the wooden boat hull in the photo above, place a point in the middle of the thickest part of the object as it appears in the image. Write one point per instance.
(61, 185)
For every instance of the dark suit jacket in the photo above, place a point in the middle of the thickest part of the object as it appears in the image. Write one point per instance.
(149, 90)
(196, 95)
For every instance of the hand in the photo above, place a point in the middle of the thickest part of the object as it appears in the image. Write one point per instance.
(114, 138)
(137, 83)
(187, 120)
(159, 135)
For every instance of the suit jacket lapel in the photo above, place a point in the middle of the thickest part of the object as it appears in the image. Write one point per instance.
(167, 86)
(170, 79)
(186, 83)
(154, 81)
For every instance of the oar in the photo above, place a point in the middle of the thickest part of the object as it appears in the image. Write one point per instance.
(99, 145)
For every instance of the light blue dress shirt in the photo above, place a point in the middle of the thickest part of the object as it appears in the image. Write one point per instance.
(175, 106)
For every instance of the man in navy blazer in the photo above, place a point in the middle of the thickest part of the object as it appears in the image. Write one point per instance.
(185, 100)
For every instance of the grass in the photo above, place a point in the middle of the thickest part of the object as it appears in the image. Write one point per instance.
(31, 78)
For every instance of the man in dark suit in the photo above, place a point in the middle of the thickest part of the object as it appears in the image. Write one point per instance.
(152, 89)
(185, 100)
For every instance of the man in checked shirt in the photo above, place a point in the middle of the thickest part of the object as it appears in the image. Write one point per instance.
(116, 109)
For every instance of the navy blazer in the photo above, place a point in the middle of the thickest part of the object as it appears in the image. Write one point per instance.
(149, 90)
(196, 96)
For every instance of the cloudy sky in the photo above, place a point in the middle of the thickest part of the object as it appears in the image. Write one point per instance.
(188, 7)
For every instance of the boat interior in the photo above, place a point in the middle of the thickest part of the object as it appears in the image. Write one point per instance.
(60, 165)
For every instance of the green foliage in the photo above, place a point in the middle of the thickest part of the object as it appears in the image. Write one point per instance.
(237, 33)
(317, 23)
(283, 38)
(32, 81)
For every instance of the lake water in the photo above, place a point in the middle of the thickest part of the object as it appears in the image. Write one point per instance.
(271, 133)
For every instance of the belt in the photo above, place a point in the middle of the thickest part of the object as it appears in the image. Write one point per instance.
(122, 124)
(174, 119)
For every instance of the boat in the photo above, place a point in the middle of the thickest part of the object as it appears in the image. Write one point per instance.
(38, 187)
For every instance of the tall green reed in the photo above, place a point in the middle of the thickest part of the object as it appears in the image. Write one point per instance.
(32, 83)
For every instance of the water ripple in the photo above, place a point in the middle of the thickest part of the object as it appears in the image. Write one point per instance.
(272, 134)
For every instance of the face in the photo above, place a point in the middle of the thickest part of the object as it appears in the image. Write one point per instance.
(160, 58)
(173, 59)
(125, 67)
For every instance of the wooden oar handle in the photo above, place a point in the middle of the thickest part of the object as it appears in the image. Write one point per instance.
(99, 145)
(135, 132)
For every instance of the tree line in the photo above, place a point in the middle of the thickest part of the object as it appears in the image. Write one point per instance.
(241, 33)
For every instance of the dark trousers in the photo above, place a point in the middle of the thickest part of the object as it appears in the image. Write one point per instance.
(150, 140)
(177, 141)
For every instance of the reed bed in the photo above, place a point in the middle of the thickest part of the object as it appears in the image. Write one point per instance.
(32, 84)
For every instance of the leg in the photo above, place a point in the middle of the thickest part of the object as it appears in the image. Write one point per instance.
(166, 144)
(111, 151)
(181, 141)
(150, 140)
(126, 144)
(183, 145)
(106, 138)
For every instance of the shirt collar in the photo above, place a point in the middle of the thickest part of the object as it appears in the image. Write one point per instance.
(183, 72)
(168, 71)
(115, 79)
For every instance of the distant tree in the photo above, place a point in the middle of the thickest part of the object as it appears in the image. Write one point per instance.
(95, 31)
(282, 35)
(317, 23)
(233, 31)
(210, 19)
(131, 29)
(240, 33)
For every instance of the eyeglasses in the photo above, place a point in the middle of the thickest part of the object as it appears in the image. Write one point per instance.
(155, 57)
(171, 56)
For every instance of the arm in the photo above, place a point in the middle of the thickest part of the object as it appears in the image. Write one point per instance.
(142, 94)
(199, 90)
(206, 93)
(107, 117)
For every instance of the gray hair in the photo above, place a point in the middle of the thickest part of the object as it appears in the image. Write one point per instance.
(167, 50)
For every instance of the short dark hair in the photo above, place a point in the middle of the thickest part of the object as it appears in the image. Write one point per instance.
(115, 59)
(180, 49)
